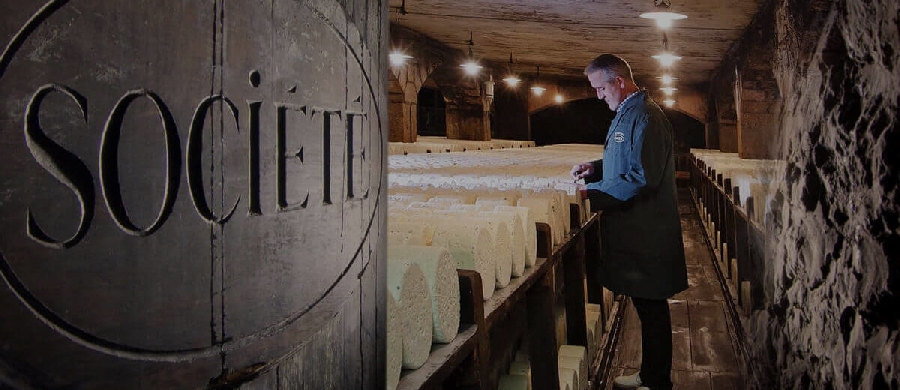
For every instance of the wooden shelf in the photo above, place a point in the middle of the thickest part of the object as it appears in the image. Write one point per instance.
(470, 358)
(504, 299)
(443, 360)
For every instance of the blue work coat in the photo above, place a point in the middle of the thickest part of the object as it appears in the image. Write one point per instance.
(642, 252)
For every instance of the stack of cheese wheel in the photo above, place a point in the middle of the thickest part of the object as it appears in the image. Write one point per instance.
(529, 228)
(752, 176)
(575, 358)
(517, 238)
(510, 241)
(443, 286)
(471, 249)
(408, 286)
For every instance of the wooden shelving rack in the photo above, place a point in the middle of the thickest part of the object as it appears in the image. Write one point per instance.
(490, 330)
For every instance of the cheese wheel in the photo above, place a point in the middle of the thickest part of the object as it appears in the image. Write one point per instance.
(501, 256)
(513, 382)
(443, 286)
(574, 364)
(394, 343)
(406, 233)
(530, 229)
(542, 211)
(407, 284)
(569, 377)
(595, 330)
(516, 239)
(575, 357)
(471, 249)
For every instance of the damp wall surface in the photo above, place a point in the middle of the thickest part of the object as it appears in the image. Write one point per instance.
(191, 194)
(832, 276)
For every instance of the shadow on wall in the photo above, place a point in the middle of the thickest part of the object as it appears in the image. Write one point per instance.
(432, 113)
(587, 121)
(689, 132)
(583, 121)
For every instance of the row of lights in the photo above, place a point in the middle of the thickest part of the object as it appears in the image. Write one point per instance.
(666, 59)
(663, 19)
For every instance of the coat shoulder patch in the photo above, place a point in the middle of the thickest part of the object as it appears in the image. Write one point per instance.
(619, 136)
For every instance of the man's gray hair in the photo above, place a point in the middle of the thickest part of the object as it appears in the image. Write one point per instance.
(611, 65)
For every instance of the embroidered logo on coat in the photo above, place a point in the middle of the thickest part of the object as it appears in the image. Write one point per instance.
(619, 136)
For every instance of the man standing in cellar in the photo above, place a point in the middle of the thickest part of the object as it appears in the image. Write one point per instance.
(642, 253)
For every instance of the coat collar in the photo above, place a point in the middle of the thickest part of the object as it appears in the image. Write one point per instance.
(631, 100)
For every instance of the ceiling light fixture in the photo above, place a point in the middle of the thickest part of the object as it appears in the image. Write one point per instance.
(669, 102)
(537, 89)
(559, 99)
(668, 90)
(511, 79)
(398, 58)
(663, 19)
(471, 67)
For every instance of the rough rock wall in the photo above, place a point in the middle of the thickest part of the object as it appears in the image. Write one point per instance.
(833, 251)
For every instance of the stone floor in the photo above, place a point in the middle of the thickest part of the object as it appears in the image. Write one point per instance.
(704, 357)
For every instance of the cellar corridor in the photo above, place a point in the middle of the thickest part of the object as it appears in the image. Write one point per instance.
(704, 355)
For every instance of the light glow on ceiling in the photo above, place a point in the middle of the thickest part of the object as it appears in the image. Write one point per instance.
(666, 59)
(663, 19)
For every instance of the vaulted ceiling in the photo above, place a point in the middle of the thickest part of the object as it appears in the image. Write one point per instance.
(562, 36)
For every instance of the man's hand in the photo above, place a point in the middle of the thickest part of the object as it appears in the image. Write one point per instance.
(582, 191)
(581, 170)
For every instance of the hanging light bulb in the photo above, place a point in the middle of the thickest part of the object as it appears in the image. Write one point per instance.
(666, 59)
(559, 99)
(511, 79)
(669, 102)
(398, 58)
(668, 90)
(471, 67)
(663, 19)
(537, 89)
(666, 79)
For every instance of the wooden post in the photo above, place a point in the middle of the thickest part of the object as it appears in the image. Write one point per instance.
(471, 305)
(544, 240)
(746, 299)
(592, 263)
(542, 335)
(573, 270)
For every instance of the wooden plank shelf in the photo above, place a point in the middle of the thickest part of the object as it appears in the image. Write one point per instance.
(443, 360)
(504, 299)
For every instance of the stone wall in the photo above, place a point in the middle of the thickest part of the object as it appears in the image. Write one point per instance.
(464, 95)
(833, 278)
(744, 93)
(190, 194)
